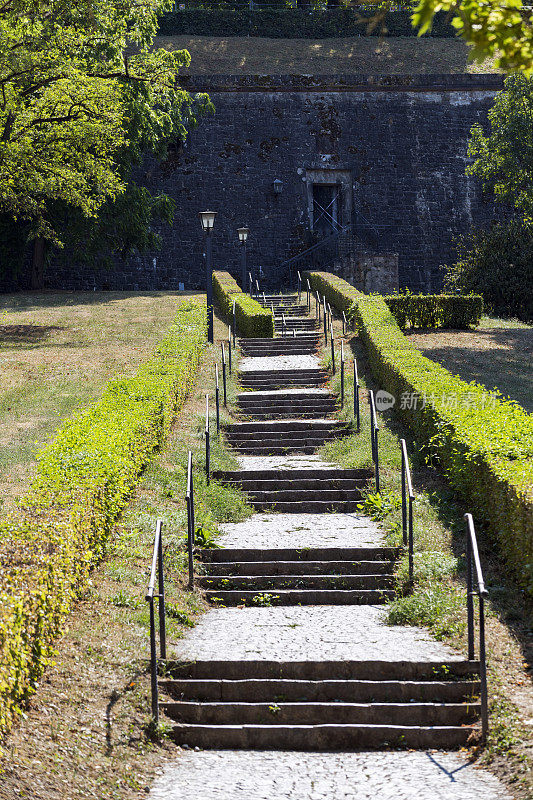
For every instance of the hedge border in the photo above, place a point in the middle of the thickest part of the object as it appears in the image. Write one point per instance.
(484, 444)
(83, 480)
(430, 311)
(252, 319)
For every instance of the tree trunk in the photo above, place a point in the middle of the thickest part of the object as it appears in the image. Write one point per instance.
(37, 267)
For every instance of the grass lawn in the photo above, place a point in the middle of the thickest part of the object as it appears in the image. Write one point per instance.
(498, 354)
(235, 55)
(57, 352)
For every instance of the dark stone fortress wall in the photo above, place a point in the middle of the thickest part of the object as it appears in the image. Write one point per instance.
(394, 146)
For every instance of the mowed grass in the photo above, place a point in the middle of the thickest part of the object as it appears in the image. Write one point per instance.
(498, 354)
(57, 352)
(236, 55)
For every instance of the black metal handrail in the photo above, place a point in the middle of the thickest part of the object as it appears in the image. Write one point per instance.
(342, 373)
(257, 289)
(234, 323)
(374, 430)
(474, 578)
(217, 399)
(332, 340)
(224, 382)
(344, 324)
(250, 285)
(189, 498)
(325, 316)
(207, 441)
(283, 325)
(229, 348)
(308, 296)
(156, 573)
(288, 264)
(356, 396)
(299, 285)
(408, 497)
(317, 305)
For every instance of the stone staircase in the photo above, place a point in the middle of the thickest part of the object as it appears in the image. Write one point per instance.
(297, 320)
(395, 700)
(325, 705)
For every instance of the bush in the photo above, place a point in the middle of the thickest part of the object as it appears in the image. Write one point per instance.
(83, 480)
(252, 319)
(435, 310)
(483, 441)
(287, 23)
(497, 264)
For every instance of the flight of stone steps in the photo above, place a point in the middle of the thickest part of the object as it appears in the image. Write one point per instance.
(308, 703)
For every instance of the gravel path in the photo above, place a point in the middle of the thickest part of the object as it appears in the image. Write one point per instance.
(279, 362)
(301, 530)
(307, 633)
(284, 462)
(230, 775)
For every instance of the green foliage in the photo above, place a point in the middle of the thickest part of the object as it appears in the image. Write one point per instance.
(503, 159)
(491, 28)
(83, 481)
(426, 311)
(280, 23)
(436, 606)
(497, 263)
(252, 319)
(83, 93)
(483, 441)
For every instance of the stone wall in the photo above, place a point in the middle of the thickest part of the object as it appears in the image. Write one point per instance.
(395, 146)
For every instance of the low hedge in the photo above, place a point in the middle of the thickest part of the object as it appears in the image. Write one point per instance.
(436, 310)
(293, 23)
(252, 319)
(483, 441)
(83, 480)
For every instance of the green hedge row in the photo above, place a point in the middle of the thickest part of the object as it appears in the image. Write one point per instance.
(252, 319)
(83, 480)
(290, 23)
(436, 310)
(483, 441)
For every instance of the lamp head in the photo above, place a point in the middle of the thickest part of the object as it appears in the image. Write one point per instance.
(243, 234)
(207, 218)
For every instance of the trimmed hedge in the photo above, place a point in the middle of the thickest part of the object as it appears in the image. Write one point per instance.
(292, 23)
(252, 319)
(83, 481)
(483, 441)
(436, 310)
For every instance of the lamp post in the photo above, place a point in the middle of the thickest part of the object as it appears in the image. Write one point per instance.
(243, 235)
(207, 219)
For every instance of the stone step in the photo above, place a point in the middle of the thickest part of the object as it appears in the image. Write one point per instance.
(299, 597)
(300, 567)
(307, 506)
(322, 713)
(294, 400)
(287, 426)
(284, 474)
(300, 485)
(284, 412)
(325, 670)
(231, 554)
(301, 582)
(355, 691)
(272, 352)
(273, 447)
(309, 336)
(320, 737)
(278, 382)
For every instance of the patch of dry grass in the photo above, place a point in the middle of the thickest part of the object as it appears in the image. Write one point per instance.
(57, 352)
(235, 55)
(498, 354)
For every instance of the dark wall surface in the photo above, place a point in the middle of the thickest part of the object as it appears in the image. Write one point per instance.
(400, 139)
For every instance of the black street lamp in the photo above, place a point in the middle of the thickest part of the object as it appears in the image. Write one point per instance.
(243, 235)
(207, 219)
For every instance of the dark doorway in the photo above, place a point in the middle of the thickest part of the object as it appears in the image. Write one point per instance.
(326, 208)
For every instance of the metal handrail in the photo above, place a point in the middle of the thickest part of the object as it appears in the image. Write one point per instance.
(217, 399)
(229, 348)
(257, 289)
(325, 315)
(250, 284)
(283, 325)
(356, 396)
(317, 305)
(408, 497)
(342, 373)
(191, 528)
(332, 349)
(344, 323)
(321, 243)
(474, 574)
(234, 313)
(374, 429)
(207, 441)
(308, 290)
(299, 285)
(224, 383)
(156, 573)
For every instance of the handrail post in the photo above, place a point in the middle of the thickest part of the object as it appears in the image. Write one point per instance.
(356, 405)
(207, 442)
(161, 578)
(470, 597)
(473, 561)
(325, 315)
(374, 429)
(257, 289)
(153, 664)
(332, 350)
(229, 349)
(217, 399)
(283, 325)
(342, 373)
(299, 285)
(404, 496)
(224, 387)
(190, 519)
(308, 296)
(234, 323)
(411, 543)
(343, 324)
(317, 306)
(250, 284)
(483, 670)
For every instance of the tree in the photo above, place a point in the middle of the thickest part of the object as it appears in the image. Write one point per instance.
(502, 29)
(503, 158)
(82, 95)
